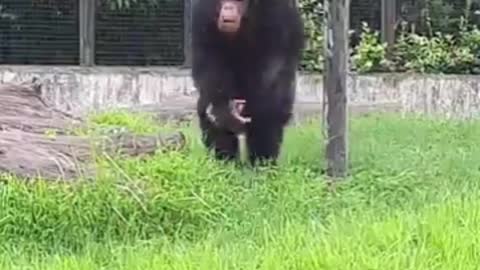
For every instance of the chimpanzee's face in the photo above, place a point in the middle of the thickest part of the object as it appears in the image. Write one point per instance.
(230, 14)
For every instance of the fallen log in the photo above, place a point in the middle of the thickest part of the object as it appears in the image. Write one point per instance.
(177, 109)
(35, 139)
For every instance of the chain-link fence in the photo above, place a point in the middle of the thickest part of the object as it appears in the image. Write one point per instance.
(146, 34)
(39, 32)
(368, 11)
(47, 32)
(420, 16)
(150, 32)
(435, 15)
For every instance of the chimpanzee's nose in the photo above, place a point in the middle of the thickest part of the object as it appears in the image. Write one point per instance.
(228, 7)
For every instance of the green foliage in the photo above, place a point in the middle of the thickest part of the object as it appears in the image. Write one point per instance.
(438, 16)
(440, 41)
(470, 40)
(430, 55)
(370, 53)
(311, 11)
(413, 52)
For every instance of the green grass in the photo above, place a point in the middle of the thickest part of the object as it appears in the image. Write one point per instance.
(412, 202)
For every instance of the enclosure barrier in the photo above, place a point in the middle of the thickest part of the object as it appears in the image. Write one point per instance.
(144, 33)
(93, 32)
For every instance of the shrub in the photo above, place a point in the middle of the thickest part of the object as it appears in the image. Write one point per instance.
(425, 50)
(370, 53)
(439, 53)
(470, 39)
(311, 11)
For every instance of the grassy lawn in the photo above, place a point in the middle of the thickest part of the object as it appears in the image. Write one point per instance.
(412, 202)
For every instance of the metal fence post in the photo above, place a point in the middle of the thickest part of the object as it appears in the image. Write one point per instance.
(187, 20)
(87, 32)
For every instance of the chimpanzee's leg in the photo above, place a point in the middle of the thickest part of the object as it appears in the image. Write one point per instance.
(224, 143)
(264, 140)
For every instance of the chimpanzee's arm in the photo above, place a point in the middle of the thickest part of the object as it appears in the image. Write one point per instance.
(276, 71)
(212, 77)
(215, 84)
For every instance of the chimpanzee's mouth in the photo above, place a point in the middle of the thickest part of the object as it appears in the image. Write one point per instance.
(229, 21)
(228, 25)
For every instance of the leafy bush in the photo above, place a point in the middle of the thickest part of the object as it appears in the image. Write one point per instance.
(470, 39)
(425, 50)
(371, 54)
(439, 53)
(311, 11)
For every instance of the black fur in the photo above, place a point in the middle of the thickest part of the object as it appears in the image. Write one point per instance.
(259, 65)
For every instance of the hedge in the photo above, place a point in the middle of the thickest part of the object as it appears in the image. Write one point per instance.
(457, 52)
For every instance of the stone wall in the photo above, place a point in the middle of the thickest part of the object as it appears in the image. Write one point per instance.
(81, 89)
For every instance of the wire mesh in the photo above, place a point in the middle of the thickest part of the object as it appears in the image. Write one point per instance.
(39, 32)
(368, 11)
(434, 15)
(423, 16)
(151, 32)
(148, 33)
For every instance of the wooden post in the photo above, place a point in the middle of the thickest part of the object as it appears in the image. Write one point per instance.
(87, 32)
(389, 13)
(187, 32)
(335, 84)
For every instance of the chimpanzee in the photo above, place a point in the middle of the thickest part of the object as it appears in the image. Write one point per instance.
(245, 50)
